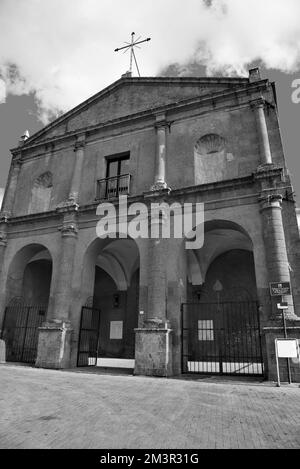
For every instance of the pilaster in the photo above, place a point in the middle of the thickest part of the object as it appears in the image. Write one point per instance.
(161, 126)
(79, 150)
(258, 107)
(54, 345)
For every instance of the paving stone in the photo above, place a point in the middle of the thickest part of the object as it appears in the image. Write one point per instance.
(63, 409)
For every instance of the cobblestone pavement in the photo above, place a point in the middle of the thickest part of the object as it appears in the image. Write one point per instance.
(64, 409)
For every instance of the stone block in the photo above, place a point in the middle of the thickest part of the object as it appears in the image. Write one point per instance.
(153, 351)
(2, 352)
(54, 345)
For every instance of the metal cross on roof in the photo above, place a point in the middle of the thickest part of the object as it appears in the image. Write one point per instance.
(130, 46)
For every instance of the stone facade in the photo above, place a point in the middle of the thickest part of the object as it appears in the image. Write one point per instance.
(187, 140)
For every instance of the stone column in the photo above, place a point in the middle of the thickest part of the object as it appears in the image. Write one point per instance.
(10, 192)
(153, 353)
(161, 126)
(278, 271)
(54, 344)
(265, 151)
(77, 172)
(3, 244)
(275, 245)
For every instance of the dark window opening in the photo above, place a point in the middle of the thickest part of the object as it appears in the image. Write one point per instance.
(117, 181)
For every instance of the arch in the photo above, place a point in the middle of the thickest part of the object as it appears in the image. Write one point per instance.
(234, 272)
(32, 259)
(41, 193)
(210, 144)
(111, 276)
(119, 257)
(220, 236)
(221, 314)
(214, 160)
(27, 296)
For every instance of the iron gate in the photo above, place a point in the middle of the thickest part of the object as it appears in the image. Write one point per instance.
(88, 337)
(20, 332)
(221, 338)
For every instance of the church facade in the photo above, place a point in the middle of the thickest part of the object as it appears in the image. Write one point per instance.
(71, 298)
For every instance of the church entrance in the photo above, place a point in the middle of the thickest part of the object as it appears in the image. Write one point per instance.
(20, 331)
(28, 290)
(106, 336)
(220, 320)
(221, 338)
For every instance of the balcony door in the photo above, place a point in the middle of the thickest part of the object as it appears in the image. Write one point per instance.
(117, 167)
(117, 177)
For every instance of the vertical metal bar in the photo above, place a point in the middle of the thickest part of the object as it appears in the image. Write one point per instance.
(28, 309)
(3, 323)
(79, 342)
(260, 338)
(98, 335)
(182, 339)
(277, 364)
(286, 336)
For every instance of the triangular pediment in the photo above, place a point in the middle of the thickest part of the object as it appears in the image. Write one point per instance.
(130, 96)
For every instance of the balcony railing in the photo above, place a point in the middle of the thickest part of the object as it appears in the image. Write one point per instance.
(112, 187)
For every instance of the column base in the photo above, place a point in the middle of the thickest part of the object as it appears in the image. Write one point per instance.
(275, 331)
(153, 349)
(54, 345)
(2, 352)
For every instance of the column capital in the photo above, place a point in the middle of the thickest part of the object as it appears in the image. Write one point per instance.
(162, 125)
(5, 216)
(270, 201)
(69, 230)
(68, 206)
(258, 103)
(69, 226)
(80, 142)
(159, 190)
(161, 122)
(16, 163)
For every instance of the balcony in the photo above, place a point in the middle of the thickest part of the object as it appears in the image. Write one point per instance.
(110, 188)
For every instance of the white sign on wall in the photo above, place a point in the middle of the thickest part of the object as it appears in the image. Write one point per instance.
(116, 330)
(287, 348)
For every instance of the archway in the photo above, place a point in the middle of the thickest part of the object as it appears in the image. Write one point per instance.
(27, 296)
(221, 331)
(108, 319)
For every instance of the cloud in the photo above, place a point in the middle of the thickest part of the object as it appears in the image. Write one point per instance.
(63, 50)
(2, 91)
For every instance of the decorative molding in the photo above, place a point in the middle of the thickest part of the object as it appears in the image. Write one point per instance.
(209, 144)
(5, 216)
(69, 230)
(3, 238)
(44, 180)
(68, 205)
(188, 102)
(80, 144)
(158, 190)
(269, 170)
(270, 201)
(258, 103)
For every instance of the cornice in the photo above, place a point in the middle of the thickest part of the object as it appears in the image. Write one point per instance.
(210, 99)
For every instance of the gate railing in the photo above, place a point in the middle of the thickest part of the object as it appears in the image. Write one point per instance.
(20, 331)
(221, 338)
(113, 187)
(88, 337)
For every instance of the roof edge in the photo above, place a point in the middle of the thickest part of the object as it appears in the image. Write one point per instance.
(138, 80)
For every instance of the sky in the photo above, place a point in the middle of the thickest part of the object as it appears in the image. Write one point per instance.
(56, 53)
